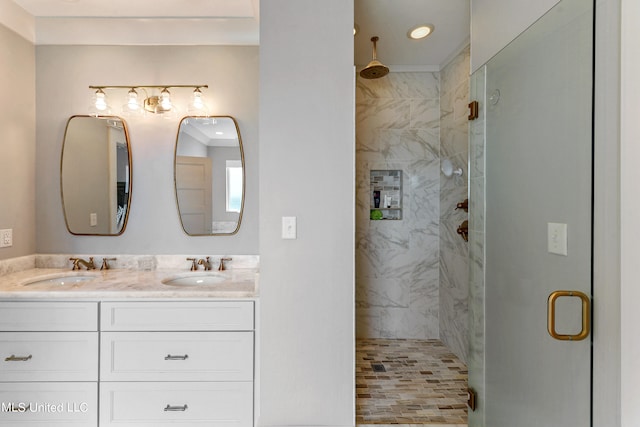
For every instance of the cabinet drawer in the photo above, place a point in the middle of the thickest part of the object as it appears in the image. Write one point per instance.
(49, 404)
(48, 316)
(177, 316)
(176, 404)
(176, 356)
(48, 356)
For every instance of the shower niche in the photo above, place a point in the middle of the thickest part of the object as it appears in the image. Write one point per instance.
(386, 195)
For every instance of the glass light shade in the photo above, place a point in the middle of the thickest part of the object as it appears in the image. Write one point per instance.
(132, 107)
(197, 106)
(99, 104)
(165, 100)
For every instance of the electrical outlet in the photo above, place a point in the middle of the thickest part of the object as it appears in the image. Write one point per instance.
(93, 219)
(6, 238)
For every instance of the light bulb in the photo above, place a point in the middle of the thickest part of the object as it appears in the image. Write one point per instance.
(132, 107)
(197, 106)
(132, 102)
(99, 104)
(165, 100)
(420, 31)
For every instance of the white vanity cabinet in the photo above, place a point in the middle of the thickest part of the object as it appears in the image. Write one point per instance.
(48, 364)
(177, 363)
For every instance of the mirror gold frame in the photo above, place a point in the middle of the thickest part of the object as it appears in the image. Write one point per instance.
(80, 188)
(177, 185)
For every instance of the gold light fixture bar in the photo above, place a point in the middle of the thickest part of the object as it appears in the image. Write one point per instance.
(147, 86)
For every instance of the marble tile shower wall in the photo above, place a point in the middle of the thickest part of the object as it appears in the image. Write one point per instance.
(397, 267)
(454, 264)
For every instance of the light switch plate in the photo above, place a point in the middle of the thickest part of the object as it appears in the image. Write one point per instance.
(93, 219)
(6, 238)
(557, 238)
(289, 227)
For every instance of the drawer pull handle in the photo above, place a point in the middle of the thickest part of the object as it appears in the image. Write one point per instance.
(170, 357)
(14, 358)
(176, 408)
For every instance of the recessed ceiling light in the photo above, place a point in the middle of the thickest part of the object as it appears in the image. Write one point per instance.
(420, 32)
(355, 29)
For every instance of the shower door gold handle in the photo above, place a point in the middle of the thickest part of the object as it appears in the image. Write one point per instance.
(586, 315)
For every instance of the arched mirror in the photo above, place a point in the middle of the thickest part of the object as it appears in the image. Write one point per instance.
(209, 175)
(95, 176)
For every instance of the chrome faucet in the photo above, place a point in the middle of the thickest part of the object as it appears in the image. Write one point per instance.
(222, 260)
(205, 263)
(77, 262)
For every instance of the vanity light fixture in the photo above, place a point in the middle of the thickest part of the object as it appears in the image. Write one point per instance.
(420, 32)
(161, 104)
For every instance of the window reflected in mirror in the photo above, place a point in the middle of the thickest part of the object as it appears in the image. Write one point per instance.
(209, 175)
(95, 175)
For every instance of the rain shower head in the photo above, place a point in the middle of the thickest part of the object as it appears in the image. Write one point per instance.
(375, 69)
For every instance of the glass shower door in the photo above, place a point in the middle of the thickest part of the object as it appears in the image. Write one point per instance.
(537, 225)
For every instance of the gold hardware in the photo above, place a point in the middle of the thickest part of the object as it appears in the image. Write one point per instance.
(551, 315)
(14, 358)
(105, 263)
(77, 262)
(205, 263)
(222, 260)
(194, 266)
(463, 230)
(149, 87)
(472, 399)
(463, 205)
(473, 110)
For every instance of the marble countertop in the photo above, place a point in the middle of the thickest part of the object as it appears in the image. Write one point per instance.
(126, 283)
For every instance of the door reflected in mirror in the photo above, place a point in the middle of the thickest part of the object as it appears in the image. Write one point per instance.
(95, 175)
(209, 175)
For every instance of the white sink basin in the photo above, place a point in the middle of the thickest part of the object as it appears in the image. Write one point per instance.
(60, 280)
(195, 279)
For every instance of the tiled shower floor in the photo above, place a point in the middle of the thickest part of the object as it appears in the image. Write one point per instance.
(424, 383)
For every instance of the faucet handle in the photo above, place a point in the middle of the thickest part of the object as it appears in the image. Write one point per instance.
(75, 261)
(105, 263)
(194, 266)
(222, 260)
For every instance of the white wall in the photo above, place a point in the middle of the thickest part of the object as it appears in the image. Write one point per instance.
(307, 171)
(630, 206)
(494, 23)
(18, 20)
(17, 142)
(63, 75)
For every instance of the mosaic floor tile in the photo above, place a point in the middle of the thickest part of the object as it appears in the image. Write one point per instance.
(422, 383)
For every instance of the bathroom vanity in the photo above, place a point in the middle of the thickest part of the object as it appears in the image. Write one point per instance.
(126, 349)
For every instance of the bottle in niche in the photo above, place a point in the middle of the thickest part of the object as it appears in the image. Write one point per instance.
(376, 199)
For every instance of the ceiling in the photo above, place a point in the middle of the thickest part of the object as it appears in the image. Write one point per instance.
(392, 19)
(236, 22)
